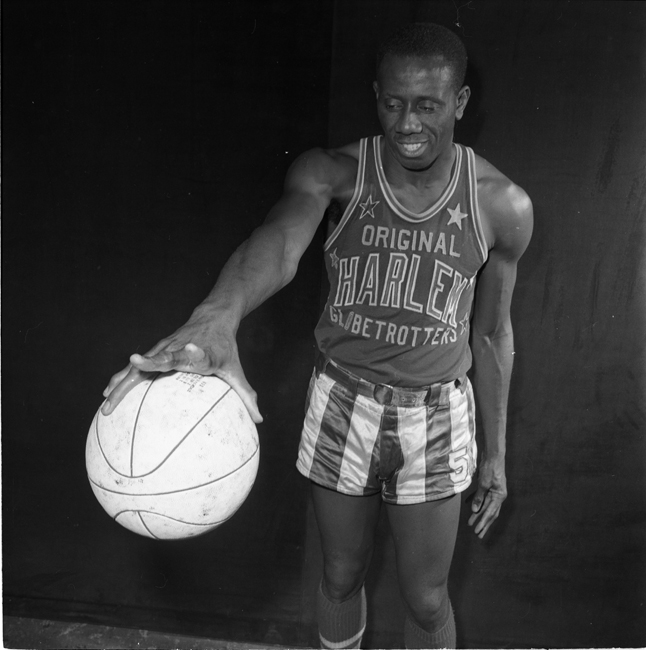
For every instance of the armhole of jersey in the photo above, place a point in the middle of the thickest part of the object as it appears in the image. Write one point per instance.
(358, 188)
(473, 200)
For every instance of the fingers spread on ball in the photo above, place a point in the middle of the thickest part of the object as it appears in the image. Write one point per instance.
(190, 358)
(247, 394)
(115, 380)
(133, 377)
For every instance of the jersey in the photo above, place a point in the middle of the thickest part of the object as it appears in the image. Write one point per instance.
(402, 283)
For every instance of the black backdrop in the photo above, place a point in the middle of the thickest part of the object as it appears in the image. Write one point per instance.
(144, 140)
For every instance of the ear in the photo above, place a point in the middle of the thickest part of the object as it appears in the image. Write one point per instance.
(463, 98)
(375, 87)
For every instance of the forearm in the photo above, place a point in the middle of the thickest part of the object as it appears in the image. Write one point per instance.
(256, 270)
(493, 360)
(268, 260)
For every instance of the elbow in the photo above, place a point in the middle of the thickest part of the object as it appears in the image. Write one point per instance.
(496, 331)
(289, 268)
(492, 336)
(289, 260)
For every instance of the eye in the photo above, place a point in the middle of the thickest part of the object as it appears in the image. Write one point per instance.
(392, 105)
(427, 107)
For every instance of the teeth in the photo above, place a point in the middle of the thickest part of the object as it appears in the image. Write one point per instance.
(411, 148)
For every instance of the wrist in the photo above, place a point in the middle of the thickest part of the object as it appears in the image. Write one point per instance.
(494, 456)
(211, 313)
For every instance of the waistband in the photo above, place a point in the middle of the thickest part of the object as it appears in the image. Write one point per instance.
(384, 394)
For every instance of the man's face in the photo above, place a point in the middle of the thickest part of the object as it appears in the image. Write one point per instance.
(417, 106)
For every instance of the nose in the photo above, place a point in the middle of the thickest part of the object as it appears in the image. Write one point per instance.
(409, 122)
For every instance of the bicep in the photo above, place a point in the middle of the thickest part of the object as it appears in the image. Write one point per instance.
(514, 224)
(306, 195)
(295, 218)
(494, 292)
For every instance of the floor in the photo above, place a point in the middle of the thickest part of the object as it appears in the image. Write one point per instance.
(39, 634)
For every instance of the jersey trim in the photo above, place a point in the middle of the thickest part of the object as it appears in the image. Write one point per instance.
(473, 200)
(358, 189)
(397, 207)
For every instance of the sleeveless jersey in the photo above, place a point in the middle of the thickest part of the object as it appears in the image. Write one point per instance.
(401, 283)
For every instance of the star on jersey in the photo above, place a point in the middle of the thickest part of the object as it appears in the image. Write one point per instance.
(368, 207)
(335, 259)
(464, 323)
(456, 216)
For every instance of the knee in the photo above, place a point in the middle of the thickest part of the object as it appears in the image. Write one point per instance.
(430, 608)
(343, 578)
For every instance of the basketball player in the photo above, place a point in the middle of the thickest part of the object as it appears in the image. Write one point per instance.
(391, 410)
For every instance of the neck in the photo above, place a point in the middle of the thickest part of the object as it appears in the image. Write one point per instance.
(438, 172)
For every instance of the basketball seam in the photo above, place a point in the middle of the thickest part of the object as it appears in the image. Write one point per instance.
(131, 475)
(134, 429)
(143, 523)
(188, 433)
(193, 487)
(105, 458)
(181, 521)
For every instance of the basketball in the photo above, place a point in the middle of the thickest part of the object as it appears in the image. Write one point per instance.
(176, 458)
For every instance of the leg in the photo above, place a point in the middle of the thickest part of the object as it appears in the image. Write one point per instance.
(424, 537)
(347, 525)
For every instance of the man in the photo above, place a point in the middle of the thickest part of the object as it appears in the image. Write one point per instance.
(390, 408)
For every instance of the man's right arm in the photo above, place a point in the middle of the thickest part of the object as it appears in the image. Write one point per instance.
(260, 267)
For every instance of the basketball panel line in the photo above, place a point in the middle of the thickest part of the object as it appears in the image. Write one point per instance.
(143, 523)
(188, 489)
(134, 429)
(179, 521)
(105, 458)
(188, 433)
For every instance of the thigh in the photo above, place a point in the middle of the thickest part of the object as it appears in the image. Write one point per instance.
(424, 536)
(347, 525)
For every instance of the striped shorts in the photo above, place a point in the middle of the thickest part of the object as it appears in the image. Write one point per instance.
(412, 446)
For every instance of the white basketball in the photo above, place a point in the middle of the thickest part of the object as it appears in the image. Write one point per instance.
(176, 458)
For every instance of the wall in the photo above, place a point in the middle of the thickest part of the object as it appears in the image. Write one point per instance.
(558, 104)
(143, 142)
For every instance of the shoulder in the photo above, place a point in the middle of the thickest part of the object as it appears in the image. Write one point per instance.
(506, 210)
(332, 171)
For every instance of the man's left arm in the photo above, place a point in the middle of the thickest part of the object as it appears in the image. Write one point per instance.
(508, 220)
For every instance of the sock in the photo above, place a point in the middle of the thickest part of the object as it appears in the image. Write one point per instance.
(416, 637)
(341, 625)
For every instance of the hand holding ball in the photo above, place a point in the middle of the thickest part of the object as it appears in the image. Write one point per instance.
(176, 459)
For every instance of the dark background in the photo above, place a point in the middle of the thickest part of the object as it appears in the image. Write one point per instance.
(143, 141)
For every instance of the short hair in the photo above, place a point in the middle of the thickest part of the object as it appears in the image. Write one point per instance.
(427, 40)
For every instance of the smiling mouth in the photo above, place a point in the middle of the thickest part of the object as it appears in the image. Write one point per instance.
(411, 149)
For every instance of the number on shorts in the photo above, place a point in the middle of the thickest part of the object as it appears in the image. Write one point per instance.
(459, 463)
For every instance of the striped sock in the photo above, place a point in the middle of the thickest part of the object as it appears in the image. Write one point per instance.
(416, 637)
(341, 625)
